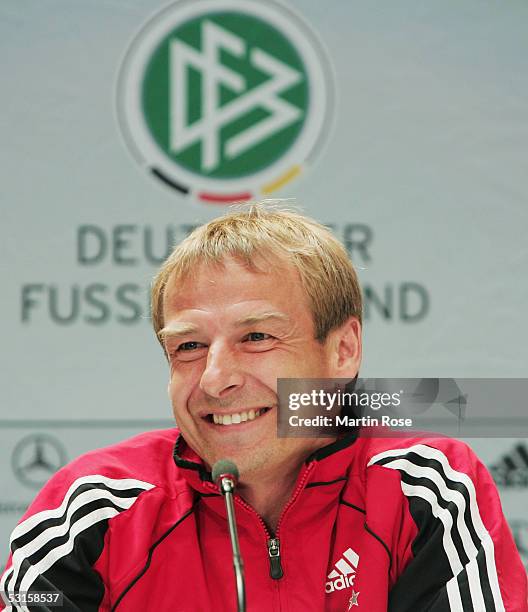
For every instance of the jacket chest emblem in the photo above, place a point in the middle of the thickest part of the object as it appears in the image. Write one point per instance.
(344, 574)
(353, 601)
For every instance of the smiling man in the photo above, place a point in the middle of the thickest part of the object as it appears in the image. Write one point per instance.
(324, 524)
(229, 331)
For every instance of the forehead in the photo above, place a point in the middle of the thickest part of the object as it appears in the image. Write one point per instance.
(231, 285)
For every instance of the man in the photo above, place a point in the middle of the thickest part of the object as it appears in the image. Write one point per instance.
(377, 524)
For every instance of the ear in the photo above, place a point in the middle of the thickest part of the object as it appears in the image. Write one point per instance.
(345, 349)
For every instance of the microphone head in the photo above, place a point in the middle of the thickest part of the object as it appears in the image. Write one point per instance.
(224, 467)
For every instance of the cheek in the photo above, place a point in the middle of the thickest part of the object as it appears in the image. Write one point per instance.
(266, 372)
(178, 390)
(184, 380)
(308, 363)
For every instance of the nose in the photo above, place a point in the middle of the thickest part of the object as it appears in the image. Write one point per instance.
(223, 373)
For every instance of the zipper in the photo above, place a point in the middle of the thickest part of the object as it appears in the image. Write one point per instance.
(276, 571)
(295, 495)
(273, 542)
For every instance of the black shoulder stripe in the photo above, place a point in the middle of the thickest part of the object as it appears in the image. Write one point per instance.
(62, 538)
(453, 509)
(461, 488)
(32, 534)
(427, 477)
(432, 463)
(50, 538)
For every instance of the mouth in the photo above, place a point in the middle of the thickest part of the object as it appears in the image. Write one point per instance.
(236, 418)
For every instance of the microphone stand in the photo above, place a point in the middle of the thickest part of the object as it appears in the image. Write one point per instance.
(227, 488)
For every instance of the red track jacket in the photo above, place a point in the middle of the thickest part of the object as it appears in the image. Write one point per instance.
(373, 524)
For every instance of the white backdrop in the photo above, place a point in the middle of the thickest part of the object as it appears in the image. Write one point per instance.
(425, 166)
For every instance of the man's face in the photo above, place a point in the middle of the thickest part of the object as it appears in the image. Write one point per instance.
(231, 333)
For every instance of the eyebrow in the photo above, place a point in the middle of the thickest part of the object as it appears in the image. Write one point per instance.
(178, 330)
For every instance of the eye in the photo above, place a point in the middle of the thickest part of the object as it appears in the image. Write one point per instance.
(257, 337)
(189, 346)
(187, 351)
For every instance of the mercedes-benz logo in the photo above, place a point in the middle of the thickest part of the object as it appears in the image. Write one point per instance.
(37, 457)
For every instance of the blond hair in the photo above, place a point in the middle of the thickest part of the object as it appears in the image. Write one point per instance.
(259, 231)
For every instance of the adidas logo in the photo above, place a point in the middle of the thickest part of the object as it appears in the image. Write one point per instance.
(512, 469)
(343, 576)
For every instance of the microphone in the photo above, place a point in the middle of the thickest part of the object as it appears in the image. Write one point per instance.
(225, 475)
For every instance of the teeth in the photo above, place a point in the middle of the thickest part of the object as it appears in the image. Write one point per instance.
(239, 417)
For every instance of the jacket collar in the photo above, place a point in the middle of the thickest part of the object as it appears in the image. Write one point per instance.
(332, 462)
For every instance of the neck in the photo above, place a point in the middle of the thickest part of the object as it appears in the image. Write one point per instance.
(268, 491)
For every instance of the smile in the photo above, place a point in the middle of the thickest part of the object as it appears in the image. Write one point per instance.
(237, 417)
